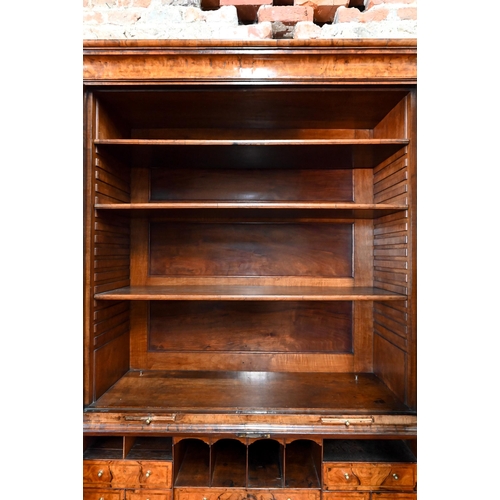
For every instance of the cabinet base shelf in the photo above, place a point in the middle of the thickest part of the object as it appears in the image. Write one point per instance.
(248, 403)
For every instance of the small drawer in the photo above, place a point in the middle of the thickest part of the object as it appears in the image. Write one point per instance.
(96, 472)
(351, 495)
(401, 476)
(286, 494)
(393, 496)
(149, 495)
(141, 474)
(92, 494)
(209, 494)
(128, 473)
(155, 474)
(369, 476)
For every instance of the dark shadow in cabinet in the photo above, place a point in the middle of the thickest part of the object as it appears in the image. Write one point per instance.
(265, 464)
(192, 463)
(302, 464)
(229, 464)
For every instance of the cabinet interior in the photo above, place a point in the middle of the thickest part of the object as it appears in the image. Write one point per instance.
(259, 463)
(249, 250)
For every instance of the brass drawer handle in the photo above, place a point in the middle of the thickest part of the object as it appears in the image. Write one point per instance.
(347, 476)
(100, 473)
(395, 476)
(347, 421)
(148, 473)
(157, 418)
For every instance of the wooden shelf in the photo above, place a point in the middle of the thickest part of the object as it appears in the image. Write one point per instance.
(334, 210)
(398, 143)
(252, 153)
(247, 292)
(250, 392)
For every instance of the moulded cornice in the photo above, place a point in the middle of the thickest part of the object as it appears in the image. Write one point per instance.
(264, 61)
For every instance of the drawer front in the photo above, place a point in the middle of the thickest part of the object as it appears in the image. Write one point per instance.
(128, 473)
(240, 494)
(125, 474)
(286, 494)
(394, 496)
(368, 476)
(401, 476)
(143, 474)
(96, 472)
(93, 494)
(155, 474)
(344, 495)
(148, 495)
(209, 494)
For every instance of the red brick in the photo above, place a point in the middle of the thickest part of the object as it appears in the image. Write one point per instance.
(407, 13)
(141, 3)
(287, 14)
(345, 15)
(92, 17)
(122, 17)
(324, 10)
(245, 2)
(379, 14)
(372, 3)
(109, 4)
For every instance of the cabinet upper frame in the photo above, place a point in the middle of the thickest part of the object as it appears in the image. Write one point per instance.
(357, 61)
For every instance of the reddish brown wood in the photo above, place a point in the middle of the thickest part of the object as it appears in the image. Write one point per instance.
(302, 464)
(193, 464)
(369, 476)
(230, 391)
(411, 380)
(393, 496)
(390, 364)
(245, 185)
(345, 495)
(148, 495)
(228, 463)
(210, 493)
(128, 473)
(99, 494)
(265, 464)
(246, 112)
(310, 61)
(252, 154)
(253, 249)
(111, 361)
(242, 292)
(250, 326)
(250, 267)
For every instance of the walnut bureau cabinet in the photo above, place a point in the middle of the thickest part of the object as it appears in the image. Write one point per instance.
(250, 270)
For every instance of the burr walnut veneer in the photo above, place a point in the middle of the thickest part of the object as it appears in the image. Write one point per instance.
(250, 270)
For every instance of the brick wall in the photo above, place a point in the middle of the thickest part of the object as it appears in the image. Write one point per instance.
(249, 19)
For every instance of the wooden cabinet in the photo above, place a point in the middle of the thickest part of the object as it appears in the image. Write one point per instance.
(250, 269)
(385, 465)
(92, 494)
